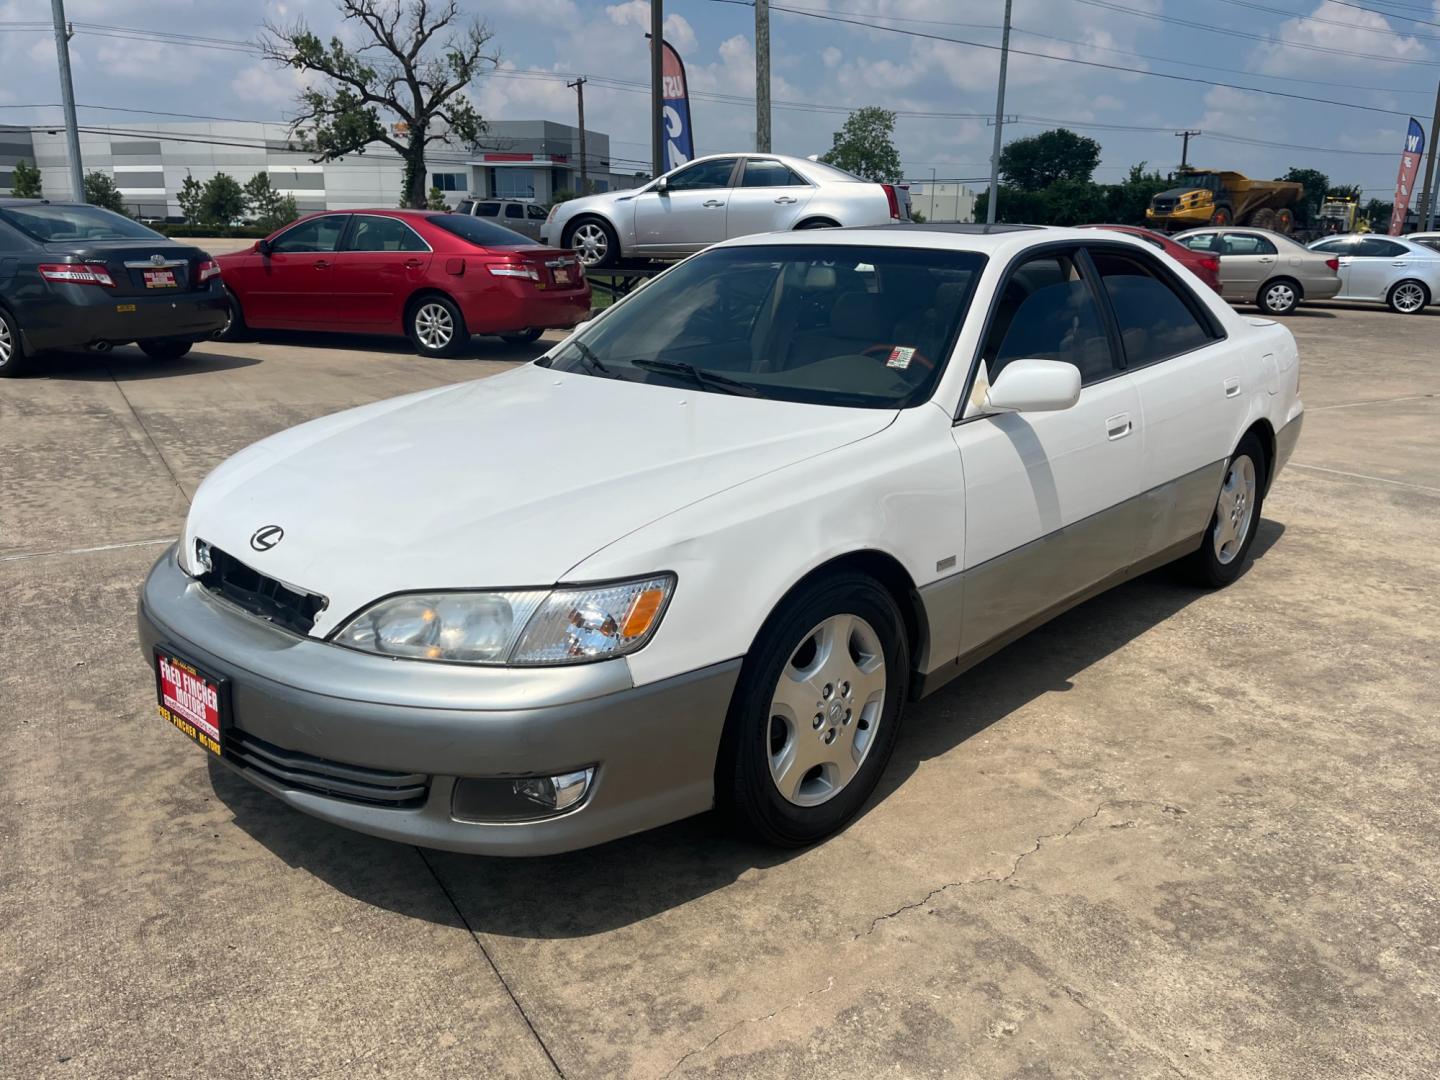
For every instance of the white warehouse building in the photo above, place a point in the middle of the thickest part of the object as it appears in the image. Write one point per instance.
(529, 159)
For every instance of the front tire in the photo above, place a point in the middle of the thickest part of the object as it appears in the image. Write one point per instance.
(234, 328)
(165, 348)
(436, 326)
(1236, 519)
(816, 713)
(593, 241)
(13, 360)
(1279, 297)
(1408, 297)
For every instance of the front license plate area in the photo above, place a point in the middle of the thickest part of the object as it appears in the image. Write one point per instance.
(196, 703)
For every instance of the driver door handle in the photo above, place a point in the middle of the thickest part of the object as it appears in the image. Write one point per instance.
(713, 202)
(786, 199)
(322, 264)
(1118, 426)
(413, 263)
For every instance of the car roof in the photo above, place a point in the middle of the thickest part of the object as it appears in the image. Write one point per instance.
(998, 240)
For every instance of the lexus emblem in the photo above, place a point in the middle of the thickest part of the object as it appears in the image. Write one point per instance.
(158, 260)
(266, 537)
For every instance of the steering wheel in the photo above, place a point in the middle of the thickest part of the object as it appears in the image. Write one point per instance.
(916, 358)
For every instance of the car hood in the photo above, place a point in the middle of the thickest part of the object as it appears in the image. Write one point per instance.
(509, 481)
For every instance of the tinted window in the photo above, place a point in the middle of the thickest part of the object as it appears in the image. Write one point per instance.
(1340, 246)
(1434, 244)
(383, 234)
(1246, 244)
(514, 210)
(707, 174)
(769, 174)
(56, 223)
(316, 234)
(854, 325)
(465, 206)
(1046, 311)
(1372, 247)
(536, 213)
(1203, 242)
(1155, 322)
(487, 209)
(483, 233)
(829, 172)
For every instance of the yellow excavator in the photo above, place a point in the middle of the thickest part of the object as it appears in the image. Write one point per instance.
(1225, 198)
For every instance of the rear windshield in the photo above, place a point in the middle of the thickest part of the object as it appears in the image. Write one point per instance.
(831, 324)
(58, 223)
(829, 172)
(480, 232)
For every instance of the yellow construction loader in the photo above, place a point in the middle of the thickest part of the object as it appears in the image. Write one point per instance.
(1225, 198)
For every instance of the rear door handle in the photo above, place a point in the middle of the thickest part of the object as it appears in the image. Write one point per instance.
(322, 264)
(413, 263)
(1118, 426)
(1232, 387)
(713, 202)
(786, 199)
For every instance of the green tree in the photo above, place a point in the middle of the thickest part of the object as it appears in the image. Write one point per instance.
(1377, 214)
(412, 65)
(1067, 202)
(191, 193)
(223, 200)
(1346, 191)
(1037, 161)
(1126, 201)
(436, 200)
(25, 181)
(266, 206)
(864, 145)
(1316, 185)
(100, 190)
(563, 195)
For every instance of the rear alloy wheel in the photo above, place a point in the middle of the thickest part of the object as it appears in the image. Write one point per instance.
(12, 353)
(1408, 297)
(594, 242)
(1236, 518)
(816, 712)
(1279, 297)
(234, 328)
(522, 337)
(165, 348)
(436, 327)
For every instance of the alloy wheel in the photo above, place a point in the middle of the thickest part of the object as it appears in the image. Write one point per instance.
(826, 709)
(1280, 297)
(434, 326)
(590, 243)
(1234, 510)
(1408, 297)
(7, 343)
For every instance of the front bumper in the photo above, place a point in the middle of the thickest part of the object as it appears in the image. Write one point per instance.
(653, 747)
(73, 316)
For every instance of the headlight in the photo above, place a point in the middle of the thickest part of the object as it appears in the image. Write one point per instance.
(564, 626)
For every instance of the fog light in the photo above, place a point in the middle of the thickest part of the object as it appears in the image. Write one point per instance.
(203, 565)
(556, 792)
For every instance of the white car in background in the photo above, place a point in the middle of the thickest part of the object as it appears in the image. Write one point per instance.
(717, 198)
(1398, 271)
(735, 525)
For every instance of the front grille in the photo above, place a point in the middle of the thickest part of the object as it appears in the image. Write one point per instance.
(333, 779)
(260, 595)
(1164, 206)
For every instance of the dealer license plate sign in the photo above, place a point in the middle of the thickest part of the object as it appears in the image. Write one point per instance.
(160, 279)
(562, 276)
(190, 699)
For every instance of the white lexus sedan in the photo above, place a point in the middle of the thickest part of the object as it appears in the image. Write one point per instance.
(705, 552)
(1397, 271)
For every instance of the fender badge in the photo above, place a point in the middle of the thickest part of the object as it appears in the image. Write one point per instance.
(266, 537)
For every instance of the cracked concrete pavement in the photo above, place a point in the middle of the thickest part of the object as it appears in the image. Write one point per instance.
(1170, 834)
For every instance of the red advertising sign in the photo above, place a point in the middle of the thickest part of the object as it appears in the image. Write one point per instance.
(189, 700)
(1405, 182)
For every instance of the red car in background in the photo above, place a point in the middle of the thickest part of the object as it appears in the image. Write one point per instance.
(1204, 266)
(435, 277)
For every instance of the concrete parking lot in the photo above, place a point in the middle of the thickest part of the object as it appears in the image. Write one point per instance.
(1171, 834)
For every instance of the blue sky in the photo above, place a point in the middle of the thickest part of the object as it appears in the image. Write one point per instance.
(820, 65)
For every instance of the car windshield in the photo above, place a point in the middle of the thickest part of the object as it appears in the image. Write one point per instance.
(830, 324)
(478, 231)
(52, 223)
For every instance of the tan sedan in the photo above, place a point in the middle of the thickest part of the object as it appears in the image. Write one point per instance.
(1266, 268)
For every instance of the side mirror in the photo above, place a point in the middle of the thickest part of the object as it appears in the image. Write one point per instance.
(262, 247)
(662, 185)
(1034, 386)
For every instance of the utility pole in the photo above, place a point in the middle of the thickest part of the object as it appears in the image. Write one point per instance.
(999, 122)
(1185, 147)
(579, 87)
(67, 97)
(657, 91)
(762, 76)
(1427, 190)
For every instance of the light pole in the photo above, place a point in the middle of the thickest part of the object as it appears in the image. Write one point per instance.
(579, 87)
(762, 76)
(657, 91)
(67, 98)
(999, 122)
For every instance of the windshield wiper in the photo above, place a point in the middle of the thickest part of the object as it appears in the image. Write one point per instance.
(700, 376)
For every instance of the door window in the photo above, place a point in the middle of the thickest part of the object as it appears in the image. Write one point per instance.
(515, 210)
(536, 213)
(487, 209)
(316, 234)
(705, 174)
(1047, 311)
(1155, 322)
(383, 234)
(1341, 246)
(1246, 244)
(1203, 242)
(770, 174)
(1372, 247)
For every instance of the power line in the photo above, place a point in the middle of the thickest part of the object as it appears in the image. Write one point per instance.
(1290, 14)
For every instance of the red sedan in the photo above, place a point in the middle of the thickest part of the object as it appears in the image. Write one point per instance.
(437, 278)
(1205, 267)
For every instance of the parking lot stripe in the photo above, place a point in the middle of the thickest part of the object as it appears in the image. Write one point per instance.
(88, 550)
(1377, 401)
(1362, 476)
